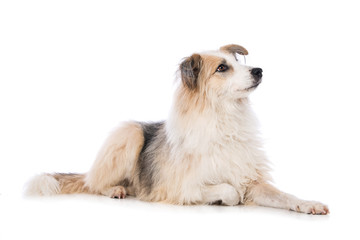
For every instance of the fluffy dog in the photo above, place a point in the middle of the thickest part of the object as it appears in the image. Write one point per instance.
(207, 151)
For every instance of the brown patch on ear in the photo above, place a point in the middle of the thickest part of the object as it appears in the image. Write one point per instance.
(190, 69)
(233, 48)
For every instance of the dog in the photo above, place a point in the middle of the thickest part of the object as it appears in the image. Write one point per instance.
(207, 151)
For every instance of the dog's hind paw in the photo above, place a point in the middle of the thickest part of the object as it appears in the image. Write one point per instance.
(115, 192)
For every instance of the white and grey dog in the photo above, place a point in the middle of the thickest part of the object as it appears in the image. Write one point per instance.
(207, 151)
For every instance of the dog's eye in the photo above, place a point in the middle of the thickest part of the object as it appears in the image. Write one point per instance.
(222, 68)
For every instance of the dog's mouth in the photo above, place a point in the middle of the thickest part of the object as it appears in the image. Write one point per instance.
(253, 86)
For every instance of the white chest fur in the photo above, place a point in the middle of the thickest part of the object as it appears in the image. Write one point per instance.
(217, 146)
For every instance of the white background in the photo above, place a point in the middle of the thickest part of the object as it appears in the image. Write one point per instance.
(71, 70)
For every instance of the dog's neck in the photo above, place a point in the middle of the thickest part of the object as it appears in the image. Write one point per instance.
(195, 121)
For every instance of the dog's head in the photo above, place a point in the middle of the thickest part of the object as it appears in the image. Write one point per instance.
(219, 73)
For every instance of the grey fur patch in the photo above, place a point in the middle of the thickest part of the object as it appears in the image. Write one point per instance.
(190, 70)
(125, 183)
(154, 138)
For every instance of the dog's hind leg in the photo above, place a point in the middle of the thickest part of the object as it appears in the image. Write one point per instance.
(266, 195)
(114, 168)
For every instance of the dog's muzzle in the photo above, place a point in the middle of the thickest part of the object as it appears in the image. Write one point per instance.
(257, 75)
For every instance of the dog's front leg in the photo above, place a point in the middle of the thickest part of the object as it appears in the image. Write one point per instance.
(264, 194)
(224, 193)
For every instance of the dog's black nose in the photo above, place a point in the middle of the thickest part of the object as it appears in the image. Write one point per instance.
(257, 73)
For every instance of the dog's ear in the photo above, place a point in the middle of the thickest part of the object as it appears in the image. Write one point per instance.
(190, 69)
(233, 49)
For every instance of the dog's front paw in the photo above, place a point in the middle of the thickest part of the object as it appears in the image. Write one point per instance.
(312, 207)
(230, 196)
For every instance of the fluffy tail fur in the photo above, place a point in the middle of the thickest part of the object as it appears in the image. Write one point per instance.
(58, 183)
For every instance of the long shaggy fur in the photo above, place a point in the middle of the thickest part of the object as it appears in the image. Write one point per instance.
(208, 150)
(44, 184)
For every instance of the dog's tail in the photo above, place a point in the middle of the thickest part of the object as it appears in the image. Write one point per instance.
(57, 183)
